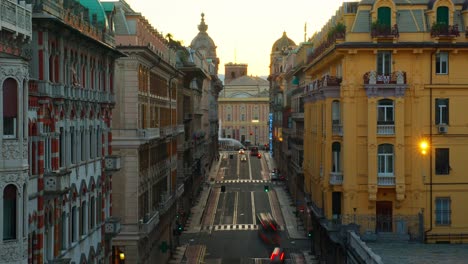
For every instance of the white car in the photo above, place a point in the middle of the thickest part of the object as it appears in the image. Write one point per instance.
(243, 158)
(241, 151)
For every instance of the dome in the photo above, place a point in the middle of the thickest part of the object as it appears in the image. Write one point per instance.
(95, 8)
(283, 43)
(203, 42)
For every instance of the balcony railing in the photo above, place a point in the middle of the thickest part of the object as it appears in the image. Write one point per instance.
(149, 222)
(337, 129)
(386, 180)
(180, 190)
(443, 30)
(149, 133)
(16, 17)
(384, 31)
(297, 116)
(397, 77)
(386, 129)
(166, 203)
(336, 178)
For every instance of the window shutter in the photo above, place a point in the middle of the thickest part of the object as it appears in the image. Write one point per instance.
(384, 16)
(10, 98)
(442, 15)
(437, 111)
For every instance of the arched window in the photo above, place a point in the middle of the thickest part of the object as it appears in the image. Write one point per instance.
(83, 218)
(10, 108)
(442, 15)
(9, 212)
(384, 16)
(385, 160)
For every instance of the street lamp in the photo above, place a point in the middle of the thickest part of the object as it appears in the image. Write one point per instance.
(255, 121)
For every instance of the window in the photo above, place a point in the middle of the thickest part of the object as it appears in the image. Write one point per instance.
(62, 147)
(384, 16)
(74, 231)
(83, 218)
(441, 111)
(10, 108)
(385, 112)
(242, 117)
(229, 117)
(442, 165)
(336, 115)
(443, 211)
(384, 62)
(64, 231)
(92, 213)
(442, 62)
(385, 160)
(9, 212)
(72, 145)
(336, 150)
(83, 144)
(443, 15)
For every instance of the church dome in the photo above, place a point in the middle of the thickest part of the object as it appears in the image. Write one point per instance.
(282, 43)
(203, 42)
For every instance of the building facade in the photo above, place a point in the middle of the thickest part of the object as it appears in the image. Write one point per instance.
(146, 131)
(15, 40)
(71, 99)
(363, 163)
(244, 107)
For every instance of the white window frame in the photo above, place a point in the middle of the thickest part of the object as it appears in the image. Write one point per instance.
(14, 130)
(443, 211)
(384, 62)
(385, 110)
(386, 163)
(441, 59)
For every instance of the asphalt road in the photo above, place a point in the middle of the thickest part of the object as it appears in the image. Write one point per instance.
(230, 231)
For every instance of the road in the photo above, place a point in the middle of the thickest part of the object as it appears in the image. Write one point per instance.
(228, 230)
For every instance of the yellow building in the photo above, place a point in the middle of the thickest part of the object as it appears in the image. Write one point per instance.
(384, 75)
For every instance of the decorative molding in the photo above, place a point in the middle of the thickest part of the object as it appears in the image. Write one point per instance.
(14, 251)
(19, 71)
(11, 150)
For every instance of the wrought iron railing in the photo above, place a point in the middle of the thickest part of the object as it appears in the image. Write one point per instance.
(397, 77)
(443, 30)
(384, 31)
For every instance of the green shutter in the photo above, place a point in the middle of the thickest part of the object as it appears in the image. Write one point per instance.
(384, 16)
(443, 15)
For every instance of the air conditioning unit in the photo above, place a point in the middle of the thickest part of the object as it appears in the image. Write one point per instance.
(442, 129)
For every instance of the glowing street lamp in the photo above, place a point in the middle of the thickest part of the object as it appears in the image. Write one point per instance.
(424, 146)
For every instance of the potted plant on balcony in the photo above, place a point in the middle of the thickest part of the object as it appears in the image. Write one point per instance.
(337, 32)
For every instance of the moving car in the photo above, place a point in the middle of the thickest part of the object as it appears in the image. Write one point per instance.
(277, 256)
(241, 151)
(243, 158)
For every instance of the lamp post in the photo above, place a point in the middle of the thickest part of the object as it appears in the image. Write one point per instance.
(255, 121)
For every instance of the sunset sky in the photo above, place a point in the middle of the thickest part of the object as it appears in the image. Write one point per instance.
(244, 31)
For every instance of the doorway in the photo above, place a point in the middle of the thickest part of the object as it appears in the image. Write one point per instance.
(384, 216)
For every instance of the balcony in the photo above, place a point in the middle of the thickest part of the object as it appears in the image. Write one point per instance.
(112, 163)
(439, 30)
(337, 129)
(386, 180)
(386, 129)
(16, 17)
(382, 31)
(112, 226)
(166, 202)
(188, 116)
(336, 178)
(383, 85)
(166, 131)
(57, 182)
(149, 133)
(297, 116)
(328, 86)
(148, 223)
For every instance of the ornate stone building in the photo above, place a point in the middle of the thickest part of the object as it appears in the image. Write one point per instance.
(71, 98)
(15, 39)
(244, 107)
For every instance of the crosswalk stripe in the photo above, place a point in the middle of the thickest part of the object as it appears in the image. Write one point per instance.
(242, 181)
(238, 227)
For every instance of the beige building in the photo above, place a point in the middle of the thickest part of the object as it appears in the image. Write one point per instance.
(244, 106)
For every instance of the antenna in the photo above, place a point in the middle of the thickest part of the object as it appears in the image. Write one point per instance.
(305, 31)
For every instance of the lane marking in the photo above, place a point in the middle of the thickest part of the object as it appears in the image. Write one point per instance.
(253, 207)
(236, 205)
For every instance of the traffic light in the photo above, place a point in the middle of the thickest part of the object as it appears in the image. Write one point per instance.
(309, 234)
(180, 228)
(223, 188)
(266, 188)
(163, 246)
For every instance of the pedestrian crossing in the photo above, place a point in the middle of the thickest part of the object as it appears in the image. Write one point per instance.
(238, 227)
(242, 181)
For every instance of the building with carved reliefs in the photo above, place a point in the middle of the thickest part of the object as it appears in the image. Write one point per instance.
(15, 39)
(382, 78)
(71, 100)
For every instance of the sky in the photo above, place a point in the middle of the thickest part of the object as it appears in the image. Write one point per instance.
(243, 30)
